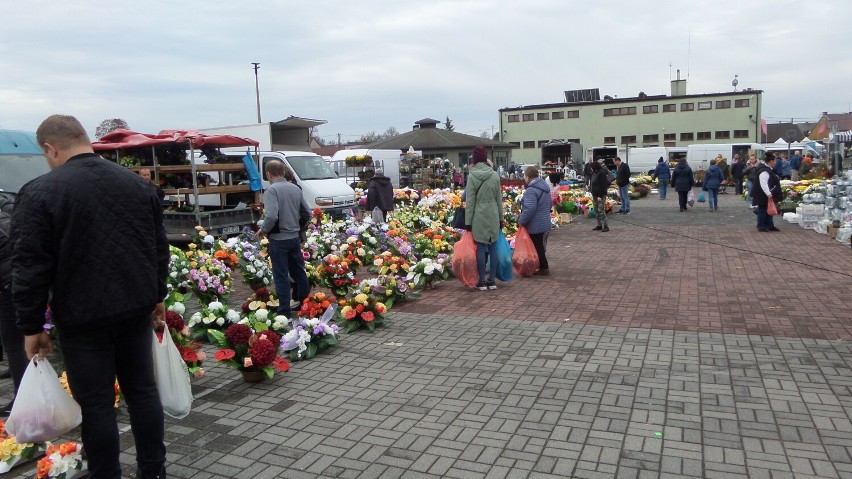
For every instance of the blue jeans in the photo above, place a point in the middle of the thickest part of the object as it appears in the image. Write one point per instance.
(625, 198)
(662, 186)
(749, 186)
(93, 359)
(287, 262)
(484, 253)
(713, 198)
(764, 220)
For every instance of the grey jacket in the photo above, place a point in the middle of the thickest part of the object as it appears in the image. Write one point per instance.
(281, 205)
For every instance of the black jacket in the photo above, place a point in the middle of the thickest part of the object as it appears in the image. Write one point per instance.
(759, 198)
(380, 193)
(622, 175)
(682, 178)
(738, 169)
(90, 233)
(599, 183)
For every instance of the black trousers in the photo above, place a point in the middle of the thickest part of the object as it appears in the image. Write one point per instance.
(538, 242)
(93, 359)
(681, 199)
(12, 338)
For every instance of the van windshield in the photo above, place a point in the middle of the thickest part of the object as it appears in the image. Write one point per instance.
(311, 167)
(18, 170)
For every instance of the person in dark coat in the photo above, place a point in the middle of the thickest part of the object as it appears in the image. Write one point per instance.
(738, 172)
(767, 185)
(89, 237)
(662, 173)
(682, 182)
(712, 182)
(535, 214)
(622, 179)
(380, 193)
(599, 186)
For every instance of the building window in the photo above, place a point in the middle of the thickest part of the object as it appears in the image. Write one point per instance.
(609, 140)
(529, 144)
(527, 117)
(650, 109)
(668, 108)
(628, 139)
(687, 137)
(723, 135)
(542, 143)
(515, 144)
(687, 106)
(626, 110)
(703, 135)
(557, 115)
(670, 137)
(650, 138)
(741, 103)
(513, 118)
(573, 113)
(542, 116)
(573, 140)
(740, 133)
(705, 105)
(721, 104)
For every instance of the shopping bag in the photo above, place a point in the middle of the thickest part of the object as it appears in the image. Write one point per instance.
(771, 210)
(458, 219)
(702, 197)
(43, 411)
(464, 260)
(378, 217)
(504, 259)
(524, 259)
(172, 377)
(690, 198)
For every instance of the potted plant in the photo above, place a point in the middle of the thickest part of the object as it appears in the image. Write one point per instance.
(253, 352)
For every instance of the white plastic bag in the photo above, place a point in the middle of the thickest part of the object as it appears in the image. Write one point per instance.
(690, 198)
(43, 410)
(172, 377)
(378, 217)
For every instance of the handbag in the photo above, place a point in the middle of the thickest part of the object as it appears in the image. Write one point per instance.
(771, 210)
(458, 220)
(172, 377)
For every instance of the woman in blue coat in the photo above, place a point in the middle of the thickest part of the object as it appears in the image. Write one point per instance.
(535, 214)
(712, 182)
(662, 174)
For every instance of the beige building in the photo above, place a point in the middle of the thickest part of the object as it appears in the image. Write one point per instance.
(659, 120)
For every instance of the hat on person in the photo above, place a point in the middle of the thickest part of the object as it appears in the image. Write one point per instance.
(480, 154)
(660, 160)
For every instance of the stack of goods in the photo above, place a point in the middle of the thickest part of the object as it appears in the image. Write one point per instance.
(810, 214)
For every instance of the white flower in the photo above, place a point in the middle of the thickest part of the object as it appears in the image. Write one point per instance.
(215, 305)
(251, 269)
(233, 241)
(281, 318)
(266, 281)
(372, 240)
(232, 316)
(429, 269)
(261, 314)
(209, 239)
(209, 319)
(194, 319)
(178, 308)
(184, 271)
(173, 274)
(220, 321)
(439, 267)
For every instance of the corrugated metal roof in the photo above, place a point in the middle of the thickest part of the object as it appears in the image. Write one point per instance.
(431, 138)
(14, 142)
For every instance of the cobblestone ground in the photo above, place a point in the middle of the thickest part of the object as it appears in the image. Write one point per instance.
(676, 345)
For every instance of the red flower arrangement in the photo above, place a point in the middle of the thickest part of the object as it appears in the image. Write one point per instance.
(362, 311)
(249, 350)
(314, 305)
(190, 350)
(335, 274)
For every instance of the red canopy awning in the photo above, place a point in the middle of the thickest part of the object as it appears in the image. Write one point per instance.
(122, 138)
(199, 138)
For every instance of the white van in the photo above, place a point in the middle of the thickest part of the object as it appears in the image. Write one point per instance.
(644, 160)
(321, 187)
(699, 155)
(386, 159)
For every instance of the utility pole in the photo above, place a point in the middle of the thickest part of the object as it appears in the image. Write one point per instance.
(257, 89)
(338, 139)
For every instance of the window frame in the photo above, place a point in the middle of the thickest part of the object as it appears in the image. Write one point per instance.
(670, 108)
(704, 135)
(513, 118)
(723, 104)
(557, 115)
(542, 116)
(687, 107)
(687, 136)
(527, 117)
(649, 109)
(741, 103)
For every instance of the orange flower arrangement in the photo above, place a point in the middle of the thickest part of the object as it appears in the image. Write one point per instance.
(314, 305)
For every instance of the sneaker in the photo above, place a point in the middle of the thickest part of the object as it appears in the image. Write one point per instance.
(597, 228)
(491, 284)
(481, 286)
(605, 229)
(627, 212)
(295, 304)
(762, 230)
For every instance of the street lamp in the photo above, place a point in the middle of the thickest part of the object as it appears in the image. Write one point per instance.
(257, 89)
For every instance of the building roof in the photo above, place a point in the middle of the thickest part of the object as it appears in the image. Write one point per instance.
(14, 142)
(779, 130)
(844, 120)
(632, 100)
(434, 138)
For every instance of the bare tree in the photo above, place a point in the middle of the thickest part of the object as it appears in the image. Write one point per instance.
(390, 133)
(448, 124)
(314, 135)
(109, 125)
(370, 137)
(484, 134)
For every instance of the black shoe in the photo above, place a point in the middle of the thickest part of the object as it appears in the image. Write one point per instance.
(7, 409)
(762, 230)
(481, 286)
(491, 284)
(5, 374)
(605, 229)
(773, 229)
(597, 228)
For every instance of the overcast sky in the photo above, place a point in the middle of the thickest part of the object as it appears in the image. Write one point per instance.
(372, 64)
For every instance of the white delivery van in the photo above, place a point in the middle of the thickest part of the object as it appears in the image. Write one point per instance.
(644, 160)
(386, 159)
(321, 187)
(699, 155)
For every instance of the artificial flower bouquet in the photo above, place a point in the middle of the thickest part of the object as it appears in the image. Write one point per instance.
(12, 452)
(249, 350)
(261, 299)
(336, 274)
(253, 262)
(209, 277)
(63, 380)
(309, 335)
(178, 277)
(428, 271)
(362, 311)
(62, 461)
(387, 289)
(358, 160)
(213, 315)
(315, 304)
(388, 263)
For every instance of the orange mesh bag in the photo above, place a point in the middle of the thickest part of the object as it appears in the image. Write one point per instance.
(464, 260)
(524, 259)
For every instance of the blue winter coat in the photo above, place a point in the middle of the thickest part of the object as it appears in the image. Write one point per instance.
(712, 178)
(663, 172)
(786, 168)
(535, 209)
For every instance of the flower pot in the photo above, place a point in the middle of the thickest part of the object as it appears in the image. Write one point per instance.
(253, 376)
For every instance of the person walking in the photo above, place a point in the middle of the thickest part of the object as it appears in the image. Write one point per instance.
(682, 181)
(535, 215)
(712, 181)
(737, 169)
(751, 167)
(11, 337)
(587, 172)
(622, 179)
(599, 185)
(483, 214)
(796, 166)
(281, 224)
(662, 173)
(380, 193)
(768, 185)
(89, 237)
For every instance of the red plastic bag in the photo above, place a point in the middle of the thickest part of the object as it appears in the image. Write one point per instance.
(464, 260)
(771, 210)
(524, 258)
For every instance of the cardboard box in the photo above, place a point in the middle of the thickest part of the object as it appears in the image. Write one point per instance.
(832, 231)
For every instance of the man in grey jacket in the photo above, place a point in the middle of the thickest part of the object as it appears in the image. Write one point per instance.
(281, 203)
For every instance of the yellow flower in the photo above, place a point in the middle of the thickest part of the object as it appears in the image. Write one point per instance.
(361, 298)
(388, 292)
(202, 233)
(199, 228)
(191, 246)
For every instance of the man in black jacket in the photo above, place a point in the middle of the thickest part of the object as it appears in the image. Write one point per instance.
(380, 193)
(89, 235)
(622, 179)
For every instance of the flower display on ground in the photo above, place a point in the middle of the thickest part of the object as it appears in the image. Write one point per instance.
(262, 298)
(362, 311)
(315, 304)
(336, 274)
(213, 315)
(387, 289)
(249, 349)
(209, 277)
(178, 277)
(13, 452)
(309, 335)
(427, 271)
(389, 263)
(61, 461)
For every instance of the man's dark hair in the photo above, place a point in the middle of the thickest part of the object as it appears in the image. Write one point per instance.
(276, 168)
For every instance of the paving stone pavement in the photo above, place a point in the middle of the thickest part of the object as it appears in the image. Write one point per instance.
(677, 345)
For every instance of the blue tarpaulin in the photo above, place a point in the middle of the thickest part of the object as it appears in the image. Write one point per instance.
(13, 142)
(253, 174)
